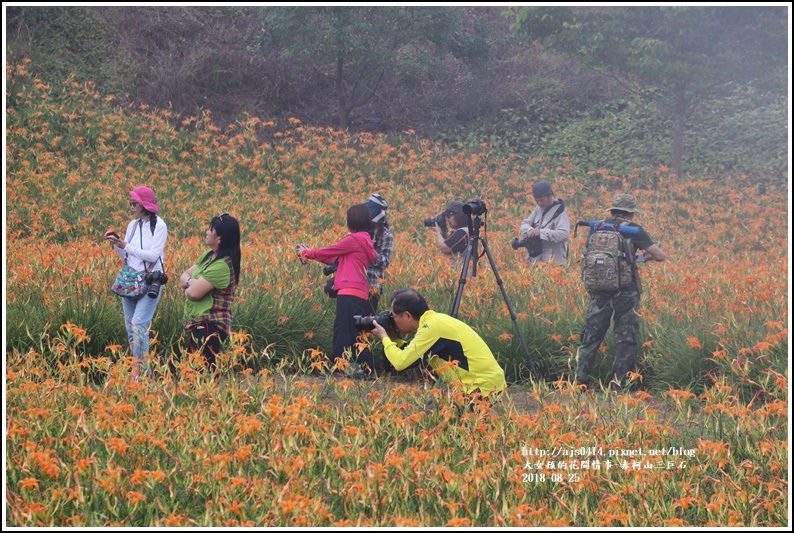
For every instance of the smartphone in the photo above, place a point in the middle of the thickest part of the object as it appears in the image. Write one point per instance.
(112, 234)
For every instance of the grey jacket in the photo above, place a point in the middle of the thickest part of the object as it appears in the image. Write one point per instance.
(553, 233)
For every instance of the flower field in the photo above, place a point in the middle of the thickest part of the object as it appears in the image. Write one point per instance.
(703, 440)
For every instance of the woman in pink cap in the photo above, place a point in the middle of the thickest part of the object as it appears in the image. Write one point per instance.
(142, 247)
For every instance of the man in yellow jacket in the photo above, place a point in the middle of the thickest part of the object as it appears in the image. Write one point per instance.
(449, 347)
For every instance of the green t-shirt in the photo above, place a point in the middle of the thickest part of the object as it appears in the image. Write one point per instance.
(216, 272)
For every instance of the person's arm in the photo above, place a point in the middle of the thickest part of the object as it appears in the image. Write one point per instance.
(119, 243)
(441, 241)
(196, 289)
(655, 253)
(216, 276)
(458, 241)
(403, 357)
(186, 275)
(327, 255)
(383, 259)
(156, 246)
(526, 225)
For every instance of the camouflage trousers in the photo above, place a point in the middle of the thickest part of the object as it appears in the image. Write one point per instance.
(622, 307)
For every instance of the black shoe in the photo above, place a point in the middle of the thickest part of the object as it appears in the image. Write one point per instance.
(356, 371)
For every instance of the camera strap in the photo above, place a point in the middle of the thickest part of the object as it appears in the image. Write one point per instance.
(160, 258)
(560, 208)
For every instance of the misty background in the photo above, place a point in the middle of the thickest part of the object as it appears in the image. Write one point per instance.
(702, 90)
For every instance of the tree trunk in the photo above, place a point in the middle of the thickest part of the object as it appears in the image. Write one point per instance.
(340, 94)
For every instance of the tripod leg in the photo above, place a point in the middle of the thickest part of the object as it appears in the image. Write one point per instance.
(510, 309)
(474, 257)
(461, 282)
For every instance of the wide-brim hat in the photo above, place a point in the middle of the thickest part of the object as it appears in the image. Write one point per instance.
(145, 197)
(624, 202)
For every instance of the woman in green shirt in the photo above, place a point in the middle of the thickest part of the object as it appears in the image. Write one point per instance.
(210, 286)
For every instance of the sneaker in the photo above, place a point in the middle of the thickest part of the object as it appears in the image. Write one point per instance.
(356, 371)
(615, 387)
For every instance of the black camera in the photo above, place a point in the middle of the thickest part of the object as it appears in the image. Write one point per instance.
(155, 280)
(385, 319)
(533, 245)
(474, 207)
(331, 269)
(439, 219)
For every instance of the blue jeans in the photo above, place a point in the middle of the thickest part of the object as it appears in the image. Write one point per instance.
(138, 316)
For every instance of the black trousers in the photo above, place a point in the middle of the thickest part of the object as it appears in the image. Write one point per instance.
(345, 332)
(373, 304)
(207, 337)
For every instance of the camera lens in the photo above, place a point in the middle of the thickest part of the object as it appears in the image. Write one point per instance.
(155, 281)
(432, 221)
(363, 323)
(154, 290)
(474, 207)
(439, 219)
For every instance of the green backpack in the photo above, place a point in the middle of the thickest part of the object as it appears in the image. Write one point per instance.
(607, 265)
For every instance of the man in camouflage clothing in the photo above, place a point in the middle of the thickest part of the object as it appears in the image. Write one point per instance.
(621, 306)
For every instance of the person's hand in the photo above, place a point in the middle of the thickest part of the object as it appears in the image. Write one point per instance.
(299, 248)
(436, 228)
(113, 238)
(534, 232)
(378, 330)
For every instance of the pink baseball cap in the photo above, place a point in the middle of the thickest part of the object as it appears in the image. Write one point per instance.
(145, 197)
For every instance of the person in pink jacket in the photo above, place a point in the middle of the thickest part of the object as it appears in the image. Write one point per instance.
(355, 252)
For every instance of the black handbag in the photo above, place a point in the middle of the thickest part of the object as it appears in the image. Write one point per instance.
(534, 244)
(328, 289)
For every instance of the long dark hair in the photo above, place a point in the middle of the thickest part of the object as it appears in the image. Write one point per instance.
(152, 219)
(228, 229)
(359, 219)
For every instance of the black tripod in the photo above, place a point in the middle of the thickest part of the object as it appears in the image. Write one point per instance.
(471, 255)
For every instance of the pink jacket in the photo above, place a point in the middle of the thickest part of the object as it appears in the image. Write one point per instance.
(355, 253)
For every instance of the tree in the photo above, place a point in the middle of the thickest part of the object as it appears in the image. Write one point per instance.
(680, 57)
(356, 46)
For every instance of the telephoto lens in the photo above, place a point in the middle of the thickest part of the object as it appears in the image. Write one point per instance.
(365, 323)
(439, 219)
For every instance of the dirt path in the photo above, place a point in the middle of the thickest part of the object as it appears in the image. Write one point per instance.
(523, 399)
